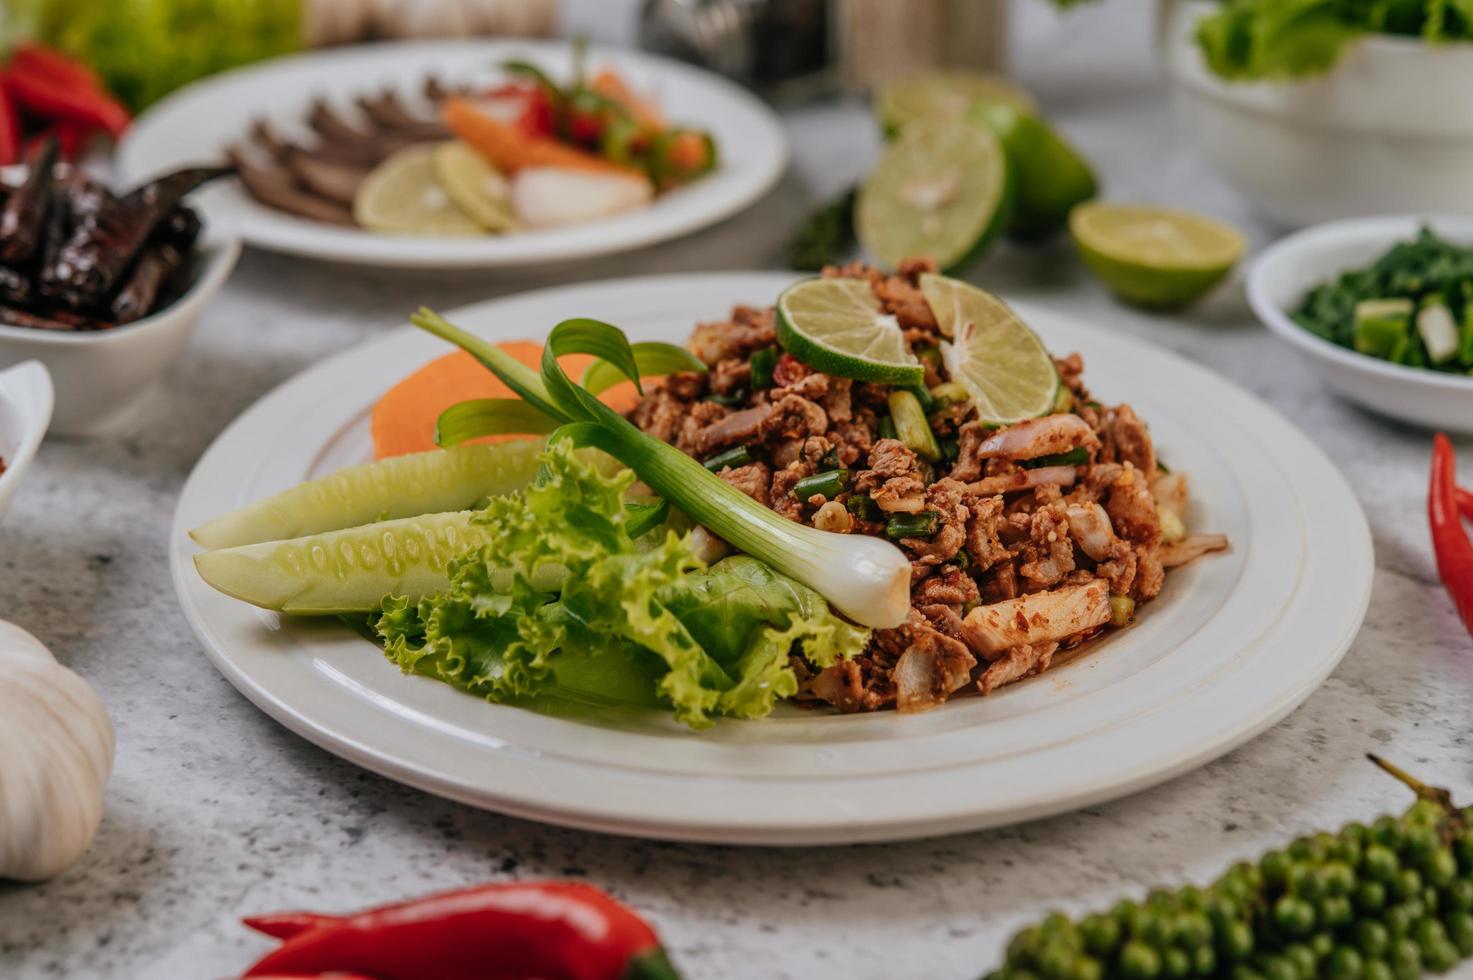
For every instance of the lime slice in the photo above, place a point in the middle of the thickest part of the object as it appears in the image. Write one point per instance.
(1154, 257)
(836, 326)
(401, 196)
(948, 96)
(1049, 175)
(1002, 364)
(474, 186)
(940, 191)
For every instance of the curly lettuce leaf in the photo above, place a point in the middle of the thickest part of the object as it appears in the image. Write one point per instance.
(1286, 39)
(563, 602)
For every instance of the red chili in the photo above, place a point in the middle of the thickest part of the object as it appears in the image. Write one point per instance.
(1465, 503)
(1449, 538)
(9, 131)
(41, 60)
(51, 99)
(508, 931)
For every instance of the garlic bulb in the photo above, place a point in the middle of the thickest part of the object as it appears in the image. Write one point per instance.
(56, 752)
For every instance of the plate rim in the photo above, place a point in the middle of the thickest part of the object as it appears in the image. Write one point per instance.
(844, 829)
(283, 233)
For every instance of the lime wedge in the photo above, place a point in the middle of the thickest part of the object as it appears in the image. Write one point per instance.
(401, 196)
(836, 326)
(948, 96)
(1049, 175)
(1002, 364)
(940, 191)
(1154, 257)
(474, 186)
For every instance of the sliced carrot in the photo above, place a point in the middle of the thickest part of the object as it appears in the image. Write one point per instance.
(511, 149)
(404, 419)
(611, 85)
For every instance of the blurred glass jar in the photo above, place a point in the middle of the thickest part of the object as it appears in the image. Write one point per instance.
(795, 48)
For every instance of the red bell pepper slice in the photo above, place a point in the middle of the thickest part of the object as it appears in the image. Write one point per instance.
(1450, 543)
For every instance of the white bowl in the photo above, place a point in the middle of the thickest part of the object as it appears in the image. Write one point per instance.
(102, 376)
(1285, 272)
(1383, 132)
(25, 411)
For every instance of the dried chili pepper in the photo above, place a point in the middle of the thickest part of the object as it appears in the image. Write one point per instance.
(23, 217)
(1449, 538)
(508, 931)
(60, 101)
(89, 265)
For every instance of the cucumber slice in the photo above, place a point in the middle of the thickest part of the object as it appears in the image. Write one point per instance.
(402, 486)
(344, 571)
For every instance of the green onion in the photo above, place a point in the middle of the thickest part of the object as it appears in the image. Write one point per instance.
(653, 358)
(731, 400)
(1122, 610)
(911, 426)
(1074, 457)
(762, 364)
(950, 449)
(886, 428)
(863, 506)
(950, 393)
(921, 525)
(923, 395)
(740, 456)
(489, 417)
(830, 484)
(1063, 399)
(861, 576)
(930, 356)
(961, 559)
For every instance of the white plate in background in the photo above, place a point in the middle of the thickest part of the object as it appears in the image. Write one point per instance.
(197, 123)
(1233, 644)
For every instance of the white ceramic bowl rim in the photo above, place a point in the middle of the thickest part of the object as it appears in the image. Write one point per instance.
(1383, 228)
(214, 256)
(35, 417)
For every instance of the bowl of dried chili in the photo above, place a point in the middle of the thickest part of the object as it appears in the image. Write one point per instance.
(104, 289)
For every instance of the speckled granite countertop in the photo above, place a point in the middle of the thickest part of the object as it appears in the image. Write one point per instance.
(215, 810)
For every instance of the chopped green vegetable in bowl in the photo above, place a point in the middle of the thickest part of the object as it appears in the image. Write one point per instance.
(1412, 306)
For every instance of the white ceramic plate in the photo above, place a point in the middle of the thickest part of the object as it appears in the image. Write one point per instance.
(1283, 275)
(25, 411)
(1233, 644)
(195, 125)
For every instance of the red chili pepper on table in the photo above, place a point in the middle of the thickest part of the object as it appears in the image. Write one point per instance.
(1465, 503)
(1450, 541)
(508, 931)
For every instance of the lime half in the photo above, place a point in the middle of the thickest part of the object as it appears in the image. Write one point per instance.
(940, 191)
(948, 96)
(837, 326)
(401, 196)
(1002, 364)
(1049, 175)
(1154, 257)
(473, 185)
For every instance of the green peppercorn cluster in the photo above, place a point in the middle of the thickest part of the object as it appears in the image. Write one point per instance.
(1389, 901)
